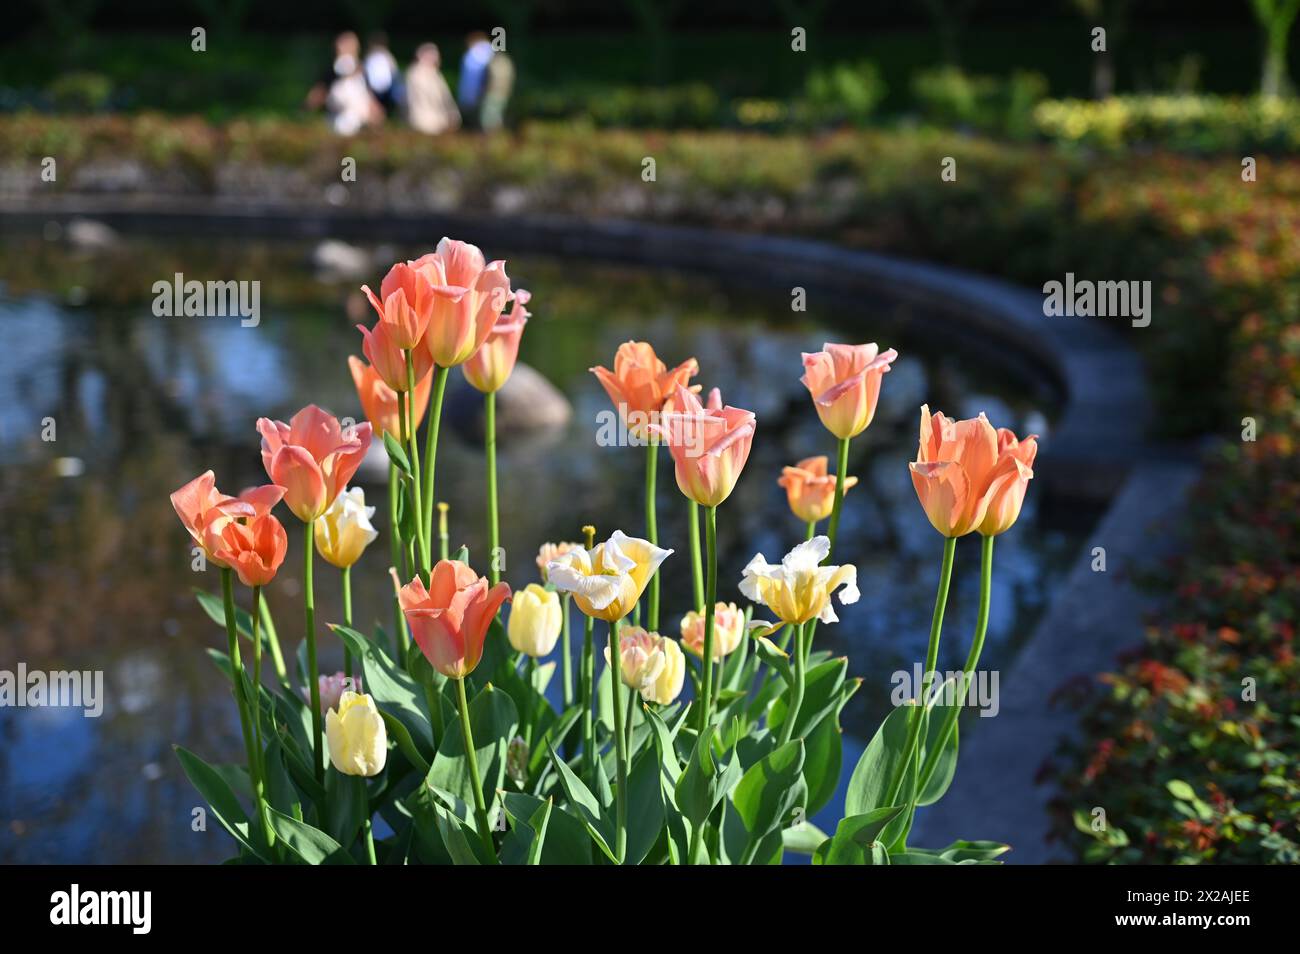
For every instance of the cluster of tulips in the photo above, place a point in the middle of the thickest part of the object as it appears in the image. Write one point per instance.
(455, 743)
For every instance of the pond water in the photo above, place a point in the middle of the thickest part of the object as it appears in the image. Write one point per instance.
(95, 570)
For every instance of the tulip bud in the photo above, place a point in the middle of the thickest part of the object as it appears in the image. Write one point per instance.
(535, 620)
(517, 759)
(358, 740)
(332, 689)
(728, 630)
(640, 658)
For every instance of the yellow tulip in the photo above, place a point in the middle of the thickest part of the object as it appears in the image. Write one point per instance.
(535, 620)
(343, 531)
(607, 581)
(668, 685)
(799, 588)
(358, 741)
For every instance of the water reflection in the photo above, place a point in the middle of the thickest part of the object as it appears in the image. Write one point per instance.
(95, 572)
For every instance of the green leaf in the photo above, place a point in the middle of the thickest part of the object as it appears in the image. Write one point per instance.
(946, 767)
(824, 757)
(645, 807)
(221, 799)
(918, 858)
(493, 721)
(453, 837)
(1181, 790)
(585, 804)
(396, 454)
(310, 844)
(857, 838)
(803, 839)
(567, 840)
(398, 732)
(770, 791)
(348, 801)
(524, 842)
(821, 696)
(879, 761)
(774, 656)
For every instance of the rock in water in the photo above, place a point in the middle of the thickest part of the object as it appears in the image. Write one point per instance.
(527, 404)
(339, 260)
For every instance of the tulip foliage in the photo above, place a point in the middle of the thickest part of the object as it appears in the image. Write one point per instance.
(477, 726)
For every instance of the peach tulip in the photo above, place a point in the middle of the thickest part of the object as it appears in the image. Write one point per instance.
(640, 384)
(405, 303)
(201, 506)
(490, 366)
(379, 401)
(810, 490)
(311, 458)
(254, 550)
(709, 446)
(728, 630)
(450, 619)
(844, 381)
(469, 295)
(969, 476)
(381, 349)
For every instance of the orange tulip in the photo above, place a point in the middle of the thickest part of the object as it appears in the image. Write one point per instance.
(201, 506)
(254, 550)
(389, 360)
(640, 384)
(709, 446)
(969, 476)
(379, 401)
(490, 366)
(844, 381)
(469, 295)
(810, 490)
(311, 458)
(405, 303)
(450, 619)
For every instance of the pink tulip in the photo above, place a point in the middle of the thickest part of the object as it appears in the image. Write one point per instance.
(203, 508)
(450, 619)
(490, 366)
(844, 381)
(405, 304)
(709, 446)
(389, 360)
(468, 297)
(641, 385)
(311, 458)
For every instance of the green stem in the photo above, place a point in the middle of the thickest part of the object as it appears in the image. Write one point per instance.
(800, 677)
(490, 446)
(259, 782)
(931, 657)
(586, 683)
(431, 445)
(841, 473)
(812, 530)
(627, 729)
(710, 600)
(697, 573)
(952, 712)
(370, 838)
(620, 751)
(480, 806)
(400, 636)
(652, 527)
(237, 674)
(422, 533)
(530, 669)
(568, 651)
(313, 672)
(347, 618)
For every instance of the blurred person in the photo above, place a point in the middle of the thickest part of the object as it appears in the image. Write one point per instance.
(430, 107)
(347, 47)
(383, 75)
(496, 96)
(349, 102)
(473, 77)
